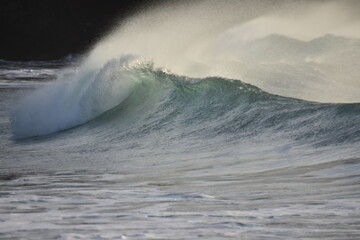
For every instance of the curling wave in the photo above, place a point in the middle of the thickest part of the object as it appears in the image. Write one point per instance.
(136, 99)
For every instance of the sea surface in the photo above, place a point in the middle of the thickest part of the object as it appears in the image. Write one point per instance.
(256, 139)
(180, 158)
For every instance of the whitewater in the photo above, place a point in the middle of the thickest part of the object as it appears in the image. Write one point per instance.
(190, 120)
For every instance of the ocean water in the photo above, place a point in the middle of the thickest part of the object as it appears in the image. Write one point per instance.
(255, 135)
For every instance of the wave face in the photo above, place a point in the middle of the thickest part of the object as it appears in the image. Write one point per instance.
(212, 107)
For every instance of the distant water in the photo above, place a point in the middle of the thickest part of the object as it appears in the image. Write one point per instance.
(120, 147)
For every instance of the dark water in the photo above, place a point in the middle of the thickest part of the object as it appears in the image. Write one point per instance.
(162, 156)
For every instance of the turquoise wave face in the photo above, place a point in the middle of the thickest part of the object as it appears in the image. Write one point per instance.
(213, 106)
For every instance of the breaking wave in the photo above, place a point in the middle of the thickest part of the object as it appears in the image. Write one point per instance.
(177, 64)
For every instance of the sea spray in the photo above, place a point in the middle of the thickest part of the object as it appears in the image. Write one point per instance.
(291, 48)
